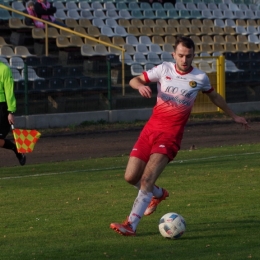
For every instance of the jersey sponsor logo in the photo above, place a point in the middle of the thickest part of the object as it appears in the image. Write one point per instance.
(193, 84)
(134, 149)
(179, 77)
(162, 146)
(171, 89)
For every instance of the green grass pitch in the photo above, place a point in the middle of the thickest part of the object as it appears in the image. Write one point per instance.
(63, 210)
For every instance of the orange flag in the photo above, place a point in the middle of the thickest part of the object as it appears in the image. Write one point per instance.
(25, 139)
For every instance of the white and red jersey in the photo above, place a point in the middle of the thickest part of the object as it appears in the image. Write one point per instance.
(176, 95)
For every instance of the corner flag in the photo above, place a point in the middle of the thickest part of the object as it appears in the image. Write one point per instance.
(25, 139)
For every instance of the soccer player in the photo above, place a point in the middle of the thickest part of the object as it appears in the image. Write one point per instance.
(178, 85)
(7, 108)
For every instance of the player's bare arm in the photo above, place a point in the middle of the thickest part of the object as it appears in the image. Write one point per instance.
(219, 101)
(139, 84)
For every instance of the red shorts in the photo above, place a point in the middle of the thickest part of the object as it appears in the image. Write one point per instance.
(151, 141)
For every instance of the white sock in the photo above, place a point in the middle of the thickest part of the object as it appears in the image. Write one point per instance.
(142, 201)
(157, 191)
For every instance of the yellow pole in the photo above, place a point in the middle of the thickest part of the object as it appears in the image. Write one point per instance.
(46, 40)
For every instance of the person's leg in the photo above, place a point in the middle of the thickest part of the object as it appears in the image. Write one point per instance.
(4, 130)
(152, 171)
(137, 170)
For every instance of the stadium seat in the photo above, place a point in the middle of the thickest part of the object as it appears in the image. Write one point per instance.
(155, 48)
(60, 14)
(76, 41)
(4, 14)
(148, 66)
(230, 38)
(98, 22)
(127, 59)
(124, 22)
(15, 62)
(32, 61)
(63, 42)
(105, 38)
(96, 5)
(170, 39)
(133, 30)
(140, 58)
(71, 23)
(153, 58)
(136, 69)
(55, 84)
(44, 71)
(205, 66)
(6, 62)
(142, 48)
(59, 6)
(112, 23)
(129, 48)
(120, 30)
(39, 86)
(158, 39)
(101, 49)
(86, 83)
(118, 40)
(4, 43)
(80, 29)
(109, 6)
(31, 74)
(93, 31)
(131, 39)
(170, 30)
(72, 6)
(16, 23)
(88, 50)
(71, 84)
(17, 5)
(7, 51)
(108, 31)
(231, 66)
(86, 14)
(114, 51)
(252, 38)
(84, 5)
(125, 14)
(147, 31)
(162, 14)
(167, 56)
(145, 39)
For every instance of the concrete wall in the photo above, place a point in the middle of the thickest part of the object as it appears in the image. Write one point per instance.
(69, 119)
(125, 115)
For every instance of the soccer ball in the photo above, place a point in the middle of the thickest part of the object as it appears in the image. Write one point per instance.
(172, 225)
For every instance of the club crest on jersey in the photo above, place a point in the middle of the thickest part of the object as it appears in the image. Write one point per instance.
(168, 78)
(193, 84)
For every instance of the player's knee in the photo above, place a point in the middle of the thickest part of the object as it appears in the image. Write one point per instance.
(130, 179)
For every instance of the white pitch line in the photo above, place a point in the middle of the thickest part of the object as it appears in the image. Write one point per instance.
(121, 167)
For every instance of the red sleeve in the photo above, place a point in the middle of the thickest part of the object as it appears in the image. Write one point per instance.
(208, 91)
(146, 77)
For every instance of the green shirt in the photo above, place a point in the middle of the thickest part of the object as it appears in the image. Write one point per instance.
(7, 87)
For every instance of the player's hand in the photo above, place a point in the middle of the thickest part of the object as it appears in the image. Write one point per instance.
(145, 91)
(242, 121)
(10, 119)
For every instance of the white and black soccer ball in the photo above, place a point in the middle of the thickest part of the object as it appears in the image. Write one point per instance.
(172, 225)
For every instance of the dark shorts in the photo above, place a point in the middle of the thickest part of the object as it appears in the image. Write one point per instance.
(151, 141)
(4, 124)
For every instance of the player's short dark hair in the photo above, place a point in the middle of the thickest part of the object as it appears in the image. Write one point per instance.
(185, 41)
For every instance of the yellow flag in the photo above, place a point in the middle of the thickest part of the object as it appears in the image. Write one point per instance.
(25, 139)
